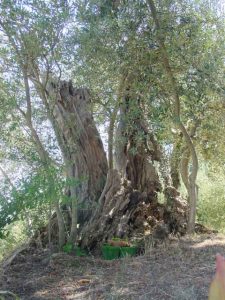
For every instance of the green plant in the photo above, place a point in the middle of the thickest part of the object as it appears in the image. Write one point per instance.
(211, 205)
(14, 237)
(80, 252)
(71, 248)
(128, 251)
(68, 248)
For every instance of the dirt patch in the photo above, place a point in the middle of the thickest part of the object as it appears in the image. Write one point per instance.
(182, 270)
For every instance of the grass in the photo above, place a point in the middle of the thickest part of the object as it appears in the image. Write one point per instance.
(15, 238)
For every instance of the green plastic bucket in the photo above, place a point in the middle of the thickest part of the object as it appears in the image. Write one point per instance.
(128, 251)
(110, 252)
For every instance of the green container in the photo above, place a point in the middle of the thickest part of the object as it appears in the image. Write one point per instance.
(128, 251)
(110, 252)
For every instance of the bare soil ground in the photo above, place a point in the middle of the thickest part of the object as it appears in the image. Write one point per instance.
(183, 271)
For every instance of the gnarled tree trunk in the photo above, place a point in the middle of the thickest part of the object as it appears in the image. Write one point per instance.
(128, 205)
(83, 151)
(125, 204)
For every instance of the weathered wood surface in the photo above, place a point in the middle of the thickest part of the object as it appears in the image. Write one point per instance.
(126, 203)
(83, 150)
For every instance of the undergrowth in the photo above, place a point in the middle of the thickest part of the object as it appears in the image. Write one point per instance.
(16, 235)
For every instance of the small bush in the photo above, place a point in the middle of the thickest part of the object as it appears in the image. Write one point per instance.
(211, 204)
(15, 237)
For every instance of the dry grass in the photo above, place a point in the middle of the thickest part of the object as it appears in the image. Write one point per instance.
(182, 270)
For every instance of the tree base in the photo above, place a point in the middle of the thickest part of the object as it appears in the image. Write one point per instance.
(128, 213)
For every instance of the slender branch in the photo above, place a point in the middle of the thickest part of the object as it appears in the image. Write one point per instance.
(7, 293)
(27, 91)
(192, 192)
(12, 41)
(21, 111)
(28, 114)
(165, 58)
(173, 86)
(7, 178)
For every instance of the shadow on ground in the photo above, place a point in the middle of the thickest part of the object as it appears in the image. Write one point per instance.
(182, 271)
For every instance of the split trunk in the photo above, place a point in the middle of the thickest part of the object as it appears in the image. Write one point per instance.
(126, 203)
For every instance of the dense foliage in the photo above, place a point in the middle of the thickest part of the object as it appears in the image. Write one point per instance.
(107, 46)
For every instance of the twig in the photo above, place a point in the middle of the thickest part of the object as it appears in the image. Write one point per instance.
(7, 293)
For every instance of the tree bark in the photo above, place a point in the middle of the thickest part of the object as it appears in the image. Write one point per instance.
(175, 161)
(84, 153)
(128, 205)
(125, 206)
(119, 203)
(184, 165)
(74, 211)
(111, 136)
(138, 147)
(61, 225)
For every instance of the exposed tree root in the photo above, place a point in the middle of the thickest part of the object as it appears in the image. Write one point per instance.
(11, 258)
